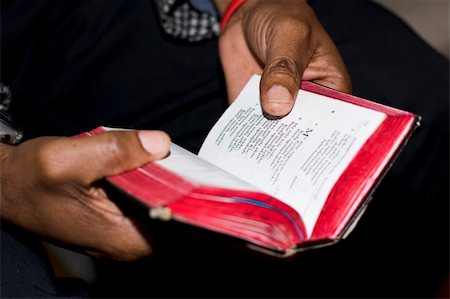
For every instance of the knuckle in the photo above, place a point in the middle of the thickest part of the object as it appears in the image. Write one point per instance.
(112, 144)
(115, 148)
(49, 164)
(295, 26)
(123, 150)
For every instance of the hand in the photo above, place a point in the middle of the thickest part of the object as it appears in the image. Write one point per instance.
(284, 42)
(49, 186)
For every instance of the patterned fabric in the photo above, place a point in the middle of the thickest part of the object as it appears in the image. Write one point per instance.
(187, 20)
(5, 96)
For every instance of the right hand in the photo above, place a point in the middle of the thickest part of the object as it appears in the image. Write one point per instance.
(49, 186)
(285, 43)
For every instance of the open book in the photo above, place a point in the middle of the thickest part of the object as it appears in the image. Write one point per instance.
(281, 185)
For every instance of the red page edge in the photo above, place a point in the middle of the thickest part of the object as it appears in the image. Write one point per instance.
(339, 212)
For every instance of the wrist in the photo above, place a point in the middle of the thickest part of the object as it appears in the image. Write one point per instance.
(228, 11)
(221, 5)
(7, 203)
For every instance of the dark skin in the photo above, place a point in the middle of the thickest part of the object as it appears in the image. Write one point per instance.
(49, 185)
(284, 42)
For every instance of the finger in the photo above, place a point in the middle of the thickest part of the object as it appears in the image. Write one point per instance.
(88, 159)
(327, 67)
(279, 87)
(288, 54)
(335, 79)
(117, 152)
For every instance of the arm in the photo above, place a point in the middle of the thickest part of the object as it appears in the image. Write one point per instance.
(49, 186)
(284, 41)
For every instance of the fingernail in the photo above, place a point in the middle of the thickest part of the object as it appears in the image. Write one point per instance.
(278, 101)
(278, 94)
(155, 142)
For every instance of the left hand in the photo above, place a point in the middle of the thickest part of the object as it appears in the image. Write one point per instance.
(284, 42)
(51, 186)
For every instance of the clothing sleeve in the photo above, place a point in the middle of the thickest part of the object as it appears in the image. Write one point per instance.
(188, 20)
(204, 6)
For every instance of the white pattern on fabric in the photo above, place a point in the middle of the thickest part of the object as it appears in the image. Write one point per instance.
(181, 20)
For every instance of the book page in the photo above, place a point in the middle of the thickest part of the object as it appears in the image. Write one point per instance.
(197, 170)
(296, 159)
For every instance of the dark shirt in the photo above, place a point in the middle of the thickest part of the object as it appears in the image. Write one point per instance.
(72, 66)
(75, 65)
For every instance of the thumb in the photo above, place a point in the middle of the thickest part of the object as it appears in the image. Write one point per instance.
(287, 56)
(279, 87)
(114, 152)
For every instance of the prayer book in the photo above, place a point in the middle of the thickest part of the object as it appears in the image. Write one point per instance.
(280, 185)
